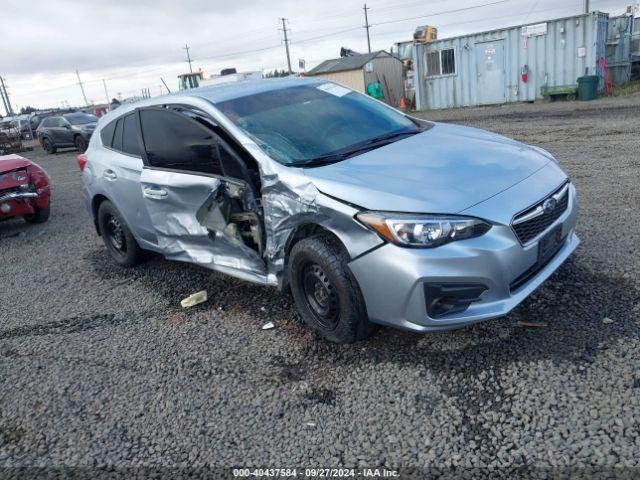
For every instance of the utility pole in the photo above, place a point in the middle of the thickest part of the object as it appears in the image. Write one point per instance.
(366, 26)
(82, 88)
(586, 6)
(186, 47)
(286, 42)
(106, 92)
(5, 97)
(165, 85)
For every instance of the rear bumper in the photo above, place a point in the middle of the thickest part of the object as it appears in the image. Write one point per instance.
(19, 204)
(396, 281)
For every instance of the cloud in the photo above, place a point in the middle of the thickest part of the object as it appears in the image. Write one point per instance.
(132, 43)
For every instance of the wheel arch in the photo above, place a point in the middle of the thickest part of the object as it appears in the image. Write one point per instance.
(302, 231)
(95, 206)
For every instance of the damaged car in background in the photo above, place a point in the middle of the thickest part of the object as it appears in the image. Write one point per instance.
(367, 215)
(25, 190)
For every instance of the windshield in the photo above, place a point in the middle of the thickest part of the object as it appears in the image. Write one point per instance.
(302, 125)
(80, 118)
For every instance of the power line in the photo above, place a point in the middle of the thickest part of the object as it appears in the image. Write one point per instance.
(186, 47)
(366, 26)
(286, 42)
(455, 10)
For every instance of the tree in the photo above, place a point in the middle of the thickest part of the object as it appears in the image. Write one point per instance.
(27, 109)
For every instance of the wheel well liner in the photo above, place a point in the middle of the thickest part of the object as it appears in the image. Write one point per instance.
(301, 232)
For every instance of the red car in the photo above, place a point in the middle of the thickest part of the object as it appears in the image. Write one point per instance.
(25, 190)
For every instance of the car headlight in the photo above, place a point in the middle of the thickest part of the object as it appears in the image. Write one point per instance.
(424, 231)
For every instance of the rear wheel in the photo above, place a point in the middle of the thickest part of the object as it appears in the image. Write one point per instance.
(117, 237)
(48, 146)
(80, 143)
(325, 292)
(41, 215)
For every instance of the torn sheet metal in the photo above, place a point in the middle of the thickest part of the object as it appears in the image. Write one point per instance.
(177, 217)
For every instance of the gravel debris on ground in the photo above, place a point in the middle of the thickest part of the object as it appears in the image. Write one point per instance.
(100, 366)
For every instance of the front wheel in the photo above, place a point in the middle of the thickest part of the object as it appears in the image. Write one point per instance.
(325, 292)
(117, 237)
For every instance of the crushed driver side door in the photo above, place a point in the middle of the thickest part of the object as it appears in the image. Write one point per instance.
(200, 214)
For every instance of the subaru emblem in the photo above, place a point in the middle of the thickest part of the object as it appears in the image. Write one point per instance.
(549, 205)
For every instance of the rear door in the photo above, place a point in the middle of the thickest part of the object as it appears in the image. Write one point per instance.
(58, 131)
(120, 166)
(202, 205)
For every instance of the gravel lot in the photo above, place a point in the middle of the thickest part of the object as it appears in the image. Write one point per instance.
(100, 365)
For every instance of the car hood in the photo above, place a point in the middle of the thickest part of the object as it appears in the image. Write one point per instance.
(445, 169)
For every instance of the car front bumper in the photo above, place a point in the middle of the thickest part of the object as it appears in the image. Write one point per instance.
(395, 281)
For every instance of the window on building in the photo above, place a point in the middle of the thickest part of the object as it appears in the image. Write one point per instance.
(448, 62)
(433, 64)
(441, 62)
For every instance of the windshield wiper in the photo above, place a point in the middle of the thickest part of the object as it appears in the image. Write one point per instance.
(367, 145)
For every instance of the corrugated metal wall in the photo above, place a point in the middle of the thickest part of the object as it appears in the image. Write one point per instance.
(351, 78)
(568, 50)
(390, 69)
(618, 48)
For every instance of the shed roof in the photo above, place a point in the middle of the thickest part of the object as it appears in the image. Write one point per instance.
(342, 64)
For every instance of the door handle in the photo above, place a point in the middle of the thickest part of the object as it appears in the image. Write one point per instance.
(154, 194)
(109, 174)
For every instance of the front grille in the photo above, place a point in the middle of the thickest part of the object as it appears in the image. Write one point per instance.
(535, 220)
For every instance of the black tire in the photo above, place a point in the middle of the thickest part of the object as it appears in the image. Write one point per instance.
(117, 237)
(48, 146)
(40, 216)
(325, 292)
(80, 143)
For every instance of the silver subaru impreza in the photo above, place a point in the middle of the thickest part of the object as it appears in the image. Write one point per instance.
(365, 214)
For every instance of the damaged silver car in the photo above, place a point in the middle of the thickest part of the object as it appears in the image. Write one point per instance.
(367, 215)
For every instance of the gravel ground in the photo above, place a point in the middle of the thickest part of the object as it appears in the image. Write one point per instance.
(100, 366)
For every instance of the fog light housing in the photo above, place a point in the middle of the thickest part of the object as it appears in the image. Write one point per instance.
(444, 299)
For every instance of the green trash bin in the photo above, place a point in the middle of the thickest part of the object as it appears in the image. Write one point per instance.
(588, 87)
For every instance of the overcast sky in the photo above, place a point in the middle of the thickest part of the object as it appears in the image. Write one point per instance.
(133, 43)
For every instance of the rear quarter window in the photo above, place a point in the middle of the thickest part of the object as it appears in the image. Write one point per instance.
(106, 134)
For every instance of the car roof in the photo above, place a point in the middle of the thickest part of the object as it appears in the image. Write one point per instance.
(232, 90)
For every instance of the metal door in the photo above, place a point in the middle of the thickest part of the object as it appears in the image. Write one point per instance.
(490, 72)
(191, 215)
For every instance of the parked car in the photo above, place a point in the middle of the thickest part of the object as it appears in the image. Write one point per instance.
(10, 138)
(67, 130)
(25, 190)
(24, 125)
(367, 215)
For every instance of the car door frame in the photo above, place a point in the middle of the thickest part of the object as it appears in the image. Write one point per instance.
(233, 150)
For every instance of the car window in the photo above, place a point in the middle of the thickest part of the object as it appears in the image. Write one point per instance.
(106, 134)
(130, 143)
(171, 140)
(298, 124)
(117, 136)
(80, 118)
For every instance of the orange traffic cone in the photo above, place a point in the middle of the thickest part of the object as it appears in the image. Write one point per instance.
(403, 104)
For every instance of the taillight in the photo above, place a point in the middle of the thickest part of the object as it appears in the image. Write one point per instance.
(82, 161)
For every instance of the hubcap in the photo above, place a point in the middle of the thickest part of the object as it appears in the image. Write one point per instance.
(320, 295)
(115, 234)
